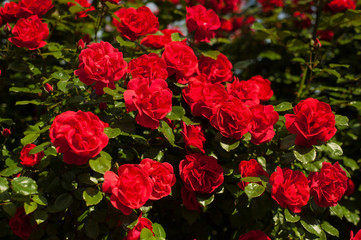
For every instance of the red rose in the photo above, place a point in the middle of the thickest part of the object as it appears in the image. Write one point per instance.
(302, 20)
(290, 189)
(180, 60)
(189, 199)
(202, 96)
(254, 235)
(242, 21)
(20, 224)
(204, 22)
(225, 6)
(200, 173)
(356, 237)
(153, 100)
(10, 12)
(313, 121)
(232, 118)
(78, 135)
(269, 5)
(263, 119)
(6, 132)
(36, 7)
(101, 64)
(350, 187)
(250, 168)
(159, 41)
(218, 70)
(30, 159)
(136, 22)
(162, 176)
(30, 33)
(84, 4)
(329, 185)
(130, 189)
(134, 234)
(148, 66)
(337, 6)
(48, 87)
(193, 135)
(325, 35)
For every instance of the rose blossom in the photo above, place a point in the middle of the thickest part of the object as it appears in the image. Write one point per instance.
(10, 12)
(254, 235)
(130, 189)
(232, 118)
(313, 121)
(136, 22)
(337, 6)
(36, 7)
(148, 66)
(78, 135)
(263, 120)
(84, 4)
(350, 187)
(30, 159)
(216, 70)
(250, 168)
(30, 33)
(193, 135)
(153, 100)
(101, 64)
(180, 60)
(200, 173)
(20, 224)
(290, 189)
(355, 237)
(162, 176)
(329, 185)
(134, 233)
(325, 35)
(159, 41)
(6, 132)
(203, 22)
(269, 5)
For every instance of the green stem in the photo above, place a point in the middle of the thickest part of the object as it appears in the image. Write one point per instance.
(102, 14)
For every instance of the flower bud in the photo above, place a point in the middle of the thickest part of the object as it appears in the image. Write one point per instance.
(6, 132)
(48, 87)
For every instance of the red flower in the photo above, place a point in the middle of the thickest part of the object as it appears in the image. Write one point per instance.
(204, 22)
(263, 120)
(313, 121)
(20, 224)
(325, 35)
(159, 41)
(84, 4)
(189, 199)
(200, 173)
(30, 159)
(290, 189)
(356, 237)
(254, 235)
(130, 189)
(78, 135)
(134, 234)
(302, 20)
(162, 176)
(269, 5)
(232, 118)
(30, 33)
(148, 66)
(10, 12)
(337, 6)
(6, 132)
(219, 70)
(101, 64)
(136, 22)
(329, 185)
(193, 135)
(224, 6)
(180, 60)
(350, 187)
(48, 87)
(153, 100)
(250, 168)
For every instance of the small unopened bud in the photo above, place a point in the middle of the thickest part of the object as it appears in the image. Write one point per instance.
(317, 43)
(80, 44)
(6, 132)
(48, 87)
(7, 27)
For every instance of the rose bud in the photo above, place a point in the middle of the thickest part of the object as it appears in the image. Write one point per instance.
(6, 132)
(48, 87)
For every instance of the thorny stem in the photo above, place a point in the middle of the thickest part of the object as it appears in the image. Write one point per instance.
(102, 14)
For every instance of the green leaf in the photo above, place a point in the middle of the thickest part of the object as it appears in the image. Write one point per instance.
(7, 172)
(40, 148)
(270, 55)
(341, 121)
(304, 154)
(348, 162)
(146, 234)
(284, 106)
(229, 147)
(257, 26)
(62, 86)
(92, 196)
(337, 211)
(92, 229)
(205, 200)
(23, 89)
(167, 132)
(39, 199)
(329, 229)
(116, 93)
(334, 65)
(176, 37)
(254, 190)
(293, 218)
(288, 141)
(124, 43)
(177, 113)
(212, 54)
(251, 179)
(61, 75)
(35, 102)
(112, 132)
(24, 186)
(312, 226)
(102, 163)
(159, 230)
(40, 216)
(4, 185)
(30, 138)
(7, 121)
(63, 201)
(30, 207)
(335, 149)
(51, 151)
